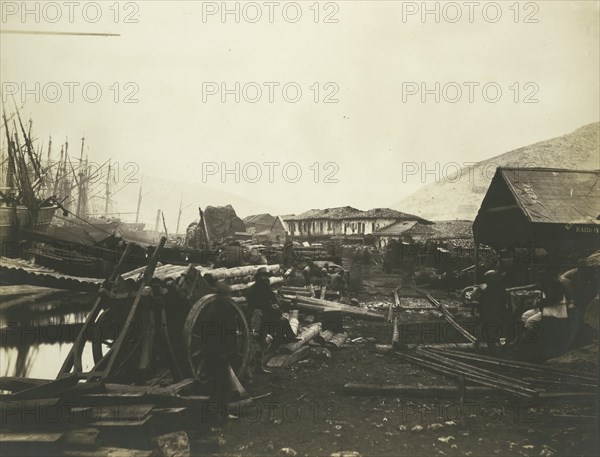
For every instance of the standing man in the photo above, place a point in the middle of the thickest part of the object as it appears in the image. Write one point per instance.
(288, 254)
(581, 285)
(494, 312)
(266, 317)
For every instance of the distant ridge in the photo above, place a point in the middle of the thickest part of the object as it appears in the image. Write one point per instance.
(460, 199)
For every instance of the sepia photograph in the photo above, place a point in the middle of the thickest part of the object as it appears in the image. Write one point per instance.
(312, 228)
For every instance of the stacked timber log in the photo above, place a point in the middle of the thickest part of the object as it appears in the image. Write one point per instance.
(317, 305)
(309, 337)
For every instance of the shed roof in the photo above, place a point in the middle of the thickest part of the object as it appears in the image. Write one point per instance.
(552, 195)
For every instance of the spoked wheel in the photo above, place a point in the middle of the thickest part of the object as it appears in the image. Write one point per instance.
(215, 333)
(105, 334)
(138, 343)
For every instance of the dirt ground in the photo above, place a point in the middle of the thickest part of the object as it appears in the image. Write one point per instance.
(308, 413)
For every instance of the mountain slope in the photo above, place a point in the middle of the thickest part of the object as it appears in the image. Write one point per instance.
(458, 196)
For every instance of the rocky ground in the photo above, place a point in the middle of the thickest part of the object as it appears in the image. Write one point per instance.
(308, 413)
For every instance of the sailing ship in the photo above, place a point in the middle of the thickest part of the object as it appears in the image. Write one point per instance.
(24, 204)
(76, 186)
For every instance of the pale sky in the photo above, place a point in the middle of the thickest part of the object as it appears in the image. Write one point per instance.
(368, 56)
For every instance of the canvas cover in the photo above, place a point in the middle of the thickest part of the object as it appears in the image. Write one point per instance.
(222, 222)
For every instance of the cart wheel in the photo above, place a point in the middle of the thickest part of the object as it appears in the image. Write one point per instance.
(104, 336)
(139, 341)
(215, 332)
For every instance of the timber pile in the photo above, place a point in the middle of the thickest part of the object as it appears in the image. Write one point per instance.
(99, 417)
(318, 337)
(316, 305)
(511, 377)
(18, 271)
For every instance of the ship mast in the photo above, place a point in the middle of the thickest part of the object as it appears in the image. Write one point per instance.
(179, 216)
(107, 191)
(82, 194)
(139, 203)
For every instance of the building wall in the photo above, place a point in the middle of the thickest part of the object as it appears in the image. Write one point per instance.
(365, 226)
(324, 227)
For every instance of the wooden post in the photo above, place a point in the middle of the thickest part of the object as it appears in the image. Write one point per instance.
(396, 333)
(476, 263)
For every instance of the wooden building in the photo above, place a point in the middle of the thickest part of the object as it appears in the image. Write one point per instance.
(343, 222)
(554, 211)
(265, 227)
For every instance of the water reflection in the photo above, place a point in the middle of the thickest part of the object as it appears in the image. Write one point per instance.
(39, 360)
(35, 338)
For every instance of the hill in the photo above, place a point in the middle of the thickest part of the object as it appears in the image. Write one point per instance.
(458, 196)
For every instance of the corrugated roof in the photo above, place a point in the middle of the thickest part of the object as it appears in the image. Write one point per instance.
(552, 195)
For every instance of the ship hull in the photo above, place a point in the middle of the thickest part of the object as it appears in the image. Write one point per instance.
(13, 219)
(87, 233)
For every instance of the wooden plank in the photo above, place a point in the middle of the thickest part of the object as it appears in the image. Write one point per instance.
(119, 412)
(449, 317)
(476, 378)
(81, 437)
(109, 452)
(30, 437)
(316, 305)
(323, 290)
(396, 333)
(543, 369)
(16, 383)
(287, 360)
(412, 390)
(51, 388)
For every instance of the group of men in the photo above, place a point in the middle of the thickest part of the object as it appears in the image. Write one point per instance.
(548, 329)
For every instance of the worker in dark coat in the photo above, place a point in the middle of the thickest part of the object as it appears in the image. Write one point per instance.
(338, 283)
(494, 312)
(266, 318)
(288, 254)
(232, 256)
(313, 274)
